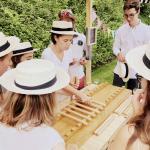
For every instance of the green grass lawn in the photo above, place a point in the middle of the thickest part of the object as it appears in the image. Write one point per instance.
(103, 73)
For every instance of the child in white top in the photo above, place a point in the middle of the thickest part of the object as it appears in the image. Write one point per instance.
(28, 110)
(60, 54)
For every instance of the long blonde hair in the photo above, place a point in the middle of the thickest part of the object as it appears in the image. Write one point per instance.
(141, 123)
(34, 110)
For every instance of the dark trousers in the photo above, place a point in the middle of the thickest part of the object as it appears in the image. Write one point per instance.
(130, 84)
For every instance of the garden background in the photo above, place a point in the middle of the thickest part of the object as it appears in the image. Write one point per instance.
(31, 20)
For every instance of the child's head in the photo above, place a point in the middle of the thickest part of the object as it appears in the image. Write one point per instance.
(62, 34)
(23, 51)
(6, 48)
(31, 85)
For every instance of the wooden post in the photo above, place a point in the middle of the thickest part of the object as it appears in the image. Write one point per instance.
(89, 24)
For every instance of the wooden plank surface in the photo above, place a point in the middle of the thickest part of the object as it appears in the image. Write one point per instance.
(108, 97)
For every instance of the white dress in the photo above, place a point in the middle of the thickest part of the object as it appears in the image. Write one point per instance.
(38, 138)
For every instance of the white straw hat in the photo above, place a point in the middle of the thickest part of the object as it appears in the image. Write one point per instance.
(63, 27)
(123, 71)
(13, 39)
(23, 48)
(139, 59)
(35, 77)
(5, 46)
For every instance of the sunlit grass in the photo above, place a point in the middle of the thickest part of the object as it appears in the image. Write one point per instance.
(104, 73)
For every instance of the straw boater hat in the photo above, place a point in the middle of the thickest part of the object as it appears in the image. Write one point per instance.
(123, 71)
(23, 48)
(63, 27)
(13, 39)
(139, 59)
(5, 46)
(35, 77)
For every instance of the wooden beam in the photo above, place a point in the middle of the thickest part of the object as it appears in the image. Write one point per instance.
(89, 24)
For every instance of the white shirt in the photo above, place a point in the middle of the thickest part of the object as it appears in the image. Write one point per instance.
(48, 54)
(39, 138)
(127, 38)
(77, 48)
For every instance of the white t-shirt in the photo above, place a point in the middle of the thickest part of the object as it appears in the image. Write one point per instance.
(48, 54)
(127, 38)
(38, 138)
(78, 47)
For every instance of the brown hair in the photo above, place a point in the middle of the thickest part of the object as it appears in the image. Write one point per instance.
(1, 92)
(132, 4)
(1, 95)
(16, 60)
(34, 110)
(141, 122)
(53, 35)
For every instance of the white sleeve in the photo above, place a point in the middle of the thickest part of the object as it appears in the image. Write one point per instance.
(116, 45)
(148, 34)
(59, 146)
(43, 55)
(46, 54)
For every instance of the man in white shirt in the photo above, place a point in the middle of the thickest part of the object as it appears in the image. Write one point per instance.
(131, 34)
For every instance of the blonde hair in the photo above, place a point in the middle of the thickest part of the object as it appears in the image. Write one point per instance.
(34, 110)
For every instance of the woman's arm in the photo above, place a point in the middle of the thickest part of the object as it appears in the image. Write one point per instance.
(80, 95)
(119, 142)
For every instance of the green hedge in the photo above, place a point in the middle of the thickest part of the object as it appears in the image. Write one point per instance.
(31, 20)
(145, 11)
(102, 51)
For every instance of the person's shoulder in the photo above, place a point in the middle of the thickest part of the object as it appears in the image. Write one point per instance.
(49, 132)
(121, 137)
(123, 26)
(126, 131)
(46, 52)
(46, 49)
(144, 26)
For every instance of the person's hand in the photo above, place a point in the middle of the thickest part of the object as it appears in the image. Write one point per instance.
(83, 98)
(138, 101)
(75, 60)
(83, 61)
(75, 82)
(121, 57)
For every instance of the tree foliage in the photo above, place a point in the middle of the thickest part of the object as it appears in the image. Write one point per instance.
(31, 20)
